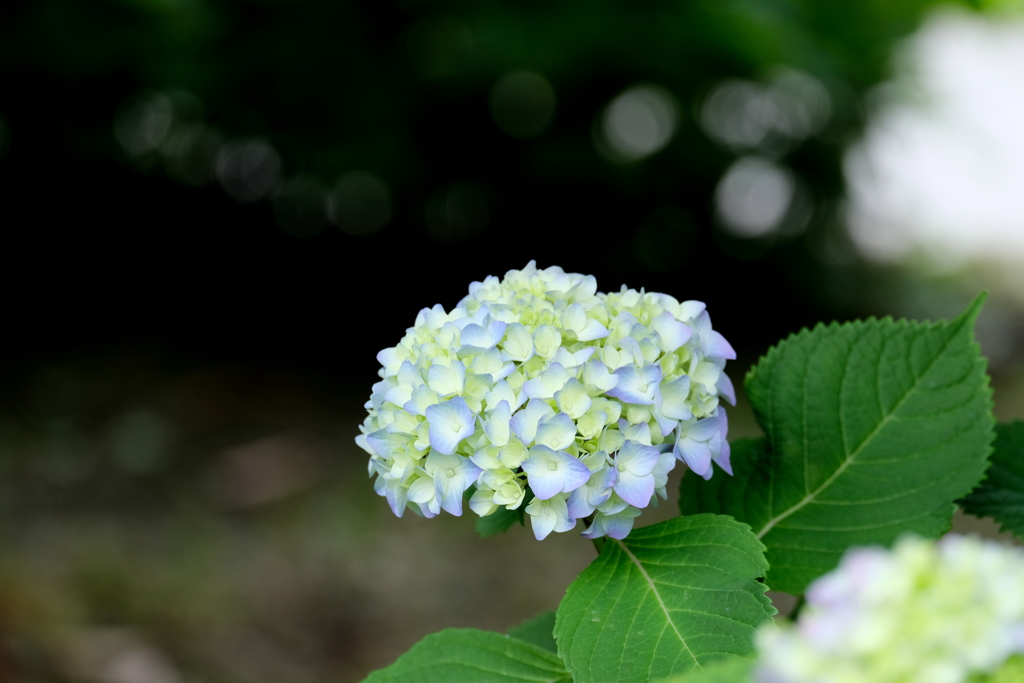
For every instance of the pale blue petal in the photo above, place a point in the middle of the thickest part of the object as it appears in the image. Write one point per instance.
(635, 489)
(391, 359)
(697, 455)
(671, 333)
(506, 370)
(556, 432)
(478, 337)
(688, 310)
(566, 523)
(468, 472)
(449, 423)
(384, 443)
(633, 347)
(718, 347)
(579, 504)
(640, 432)
(613, 505)
(535, 388)
(496, 426)
(665, 424)
(596, 374)
(637, 459)
(544, 481)
(596, 529)
(618, 526)
(397, 496)
(725, 388)
(628, 396)
(576, 473)
(702, 430)
(543, 523)
(651, 374)
(447, 380)
(630, 387)
(722, 457)
(408, 374)
(450, 497)
(484, 459)
(674, 395)
(399, 395)
(524, 422)
(592, 330)
(422, 490)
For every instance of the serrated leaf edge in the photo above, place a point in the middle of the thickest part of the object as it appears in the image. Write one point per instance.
(968, 316)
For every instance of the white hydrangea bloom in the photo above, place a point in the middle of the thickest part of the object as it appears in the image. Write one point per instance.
(539, 384)
(921, 613)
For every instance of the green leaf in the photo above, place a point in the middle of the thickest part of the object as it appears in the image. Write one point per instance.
(672, 597)
(1012, 671)
(1001, 495)
(874, 429)
(731, 671)
(467, 655)
(537, 631)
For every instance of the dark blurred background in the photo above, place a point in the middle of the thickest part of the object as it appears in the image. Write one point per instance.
(214, 214)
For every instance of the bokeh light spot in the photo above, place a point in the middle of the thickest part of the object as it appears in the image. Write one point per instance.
(753, 197)
(142, 122)
(773, 116)
(937, 178)
(248, 169)
(301, 206)
(639, 122)
(360, 204)
(523, 104)
(190, 152)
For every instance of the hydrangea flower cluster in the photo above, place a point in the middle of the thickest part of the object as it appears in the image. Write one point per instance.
(541, 391)
(922, 613)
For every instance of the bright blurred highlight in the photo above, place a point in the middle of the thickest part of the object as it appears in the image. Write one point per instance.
(638, 122)
(248, 169)
(754, 197)
(772, 116)
(939, 172)
(142, 122)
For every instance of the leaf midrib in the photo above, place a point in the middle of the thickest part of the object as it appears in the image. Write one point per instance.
(807, 499)
(661, 603)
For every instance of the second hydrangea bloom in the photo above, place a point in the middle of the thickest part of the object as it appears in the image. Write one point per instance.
(539, 384)
(921, 613)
